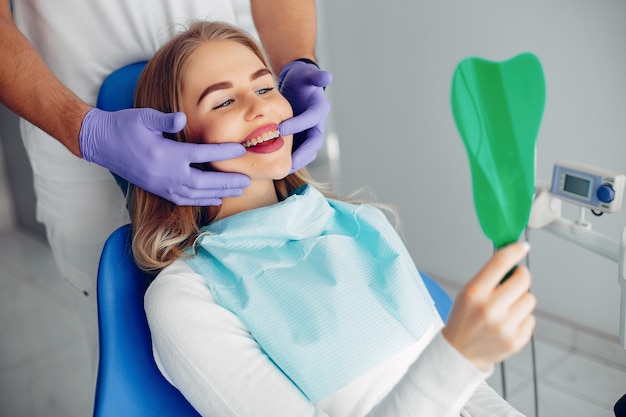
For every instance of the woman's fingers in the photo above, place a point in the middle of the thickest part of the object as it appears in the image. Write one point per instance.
(517, 322)
(499, 265)
(526, 330)
(521, 310)
(490, 321)
(519, 314)
(512, 289)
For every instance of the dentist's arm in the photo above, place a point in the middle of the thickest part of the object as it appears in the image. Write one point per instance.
(29, 89)
(128, 142)
(287, 28)
(288, 31)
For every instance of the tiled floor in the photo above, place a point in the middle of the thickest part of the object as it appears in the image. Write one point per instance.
(44, 364)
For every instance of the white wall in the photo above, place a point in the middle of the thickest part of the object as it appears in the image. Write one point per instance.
(393, 61)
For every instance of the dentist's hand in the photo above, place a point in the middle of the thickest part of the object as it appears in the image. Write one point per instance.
(489, 322)
(302, 84)
(130, 143)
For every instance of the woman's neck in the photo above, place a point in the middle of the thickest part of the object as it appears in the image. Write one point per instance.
(258, 194)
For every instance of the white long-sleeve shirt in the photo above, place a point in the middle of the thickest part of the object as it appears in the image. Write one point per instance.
(208, 354)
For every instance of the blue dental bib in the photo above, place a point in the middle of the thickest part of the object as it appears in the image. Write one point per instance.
(326, 288)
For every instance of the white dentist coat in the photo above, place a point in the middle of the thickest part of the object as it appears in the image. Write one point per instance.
(82, 42)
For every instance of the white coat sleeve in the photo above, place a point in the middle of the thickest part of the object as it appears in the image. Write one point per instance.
(207, 353)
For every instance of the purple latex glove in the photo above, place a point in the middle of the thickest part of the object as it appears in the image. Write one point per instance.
(130, 143)
(302, 84)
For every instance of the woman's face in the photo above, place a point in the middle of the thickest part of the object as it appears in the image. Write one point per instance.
(229, 95)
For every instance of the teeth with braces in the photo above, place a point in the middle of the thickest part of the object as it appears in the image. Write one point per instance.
(263, 138)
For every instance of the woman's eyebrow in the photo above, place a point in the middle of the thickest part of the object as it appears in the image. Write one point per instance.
(227, 84)
(259, 73)
(214, 87)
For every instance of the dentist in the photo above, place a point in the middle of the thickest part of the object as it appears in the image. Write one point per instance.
(55, 56)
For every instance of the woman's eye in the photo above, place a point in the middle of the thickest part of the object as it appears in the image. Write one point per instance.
(224, 104)
(264, 90)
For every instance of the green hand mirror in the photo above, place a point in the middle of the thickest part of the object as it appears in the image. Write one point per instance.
(497, 107)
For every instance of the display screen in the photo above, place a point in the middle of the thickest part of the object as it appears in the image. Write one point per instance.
(576, 185)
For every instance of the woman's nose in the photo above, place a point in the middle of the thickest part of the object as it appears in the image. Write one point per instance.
(257, 107)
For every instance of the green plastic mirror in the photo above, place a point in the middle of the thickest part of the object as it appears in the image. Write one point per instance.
(497, 107)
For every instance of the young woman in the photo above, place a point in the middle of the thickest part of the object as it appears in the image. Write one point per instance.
(285, 301)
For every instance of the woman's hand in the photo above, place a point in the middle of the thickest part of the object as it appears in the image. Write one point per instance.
(491, 321)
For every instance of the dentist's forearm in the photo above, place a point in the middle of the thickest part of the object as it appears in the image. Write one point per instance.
(287, 28)
(29, 89)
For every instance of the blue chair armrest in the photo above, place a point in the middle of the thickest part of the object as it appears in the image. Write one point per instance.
(443, 302)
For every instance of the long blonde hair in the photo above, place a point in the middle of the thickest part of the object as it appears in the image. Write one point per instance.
(162, 231)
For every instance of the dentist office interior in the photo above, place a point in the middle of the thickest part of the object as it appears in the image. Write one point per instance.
(391, 123)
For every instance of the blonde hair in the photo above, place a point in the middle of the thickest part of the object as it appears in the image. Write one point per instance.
(162, 231)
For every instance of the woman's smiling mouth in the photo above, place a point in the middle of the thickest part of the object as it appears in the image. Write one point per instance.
(265, 137)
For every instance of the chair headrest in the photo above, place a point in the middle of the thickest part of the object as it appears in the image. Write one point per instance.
(118, 89)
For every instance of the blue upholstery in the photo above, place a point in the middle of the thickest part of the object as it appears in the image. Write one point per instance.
(117, 91)
(443, 302)
(129, 382)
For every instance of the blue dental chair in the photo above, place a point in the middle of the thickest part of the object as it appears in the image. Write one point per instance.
(118, 89)
(129, 383)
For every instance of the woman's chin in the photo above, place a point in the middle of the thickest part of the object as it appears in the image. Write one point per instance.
(279, 175)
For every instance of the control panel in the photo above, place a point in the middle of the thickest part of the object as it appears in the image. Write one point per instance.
(584, 185)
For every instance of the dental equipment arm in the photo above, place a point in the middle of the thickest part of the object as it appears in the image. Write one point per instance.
(288, 32)
(546, 214)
